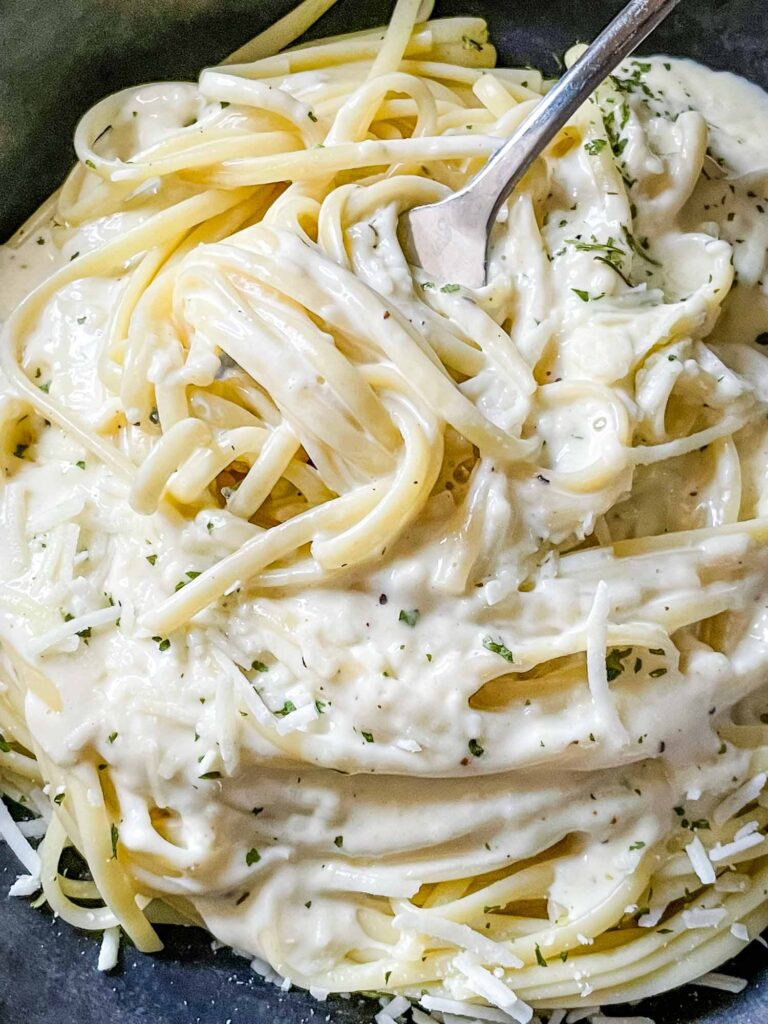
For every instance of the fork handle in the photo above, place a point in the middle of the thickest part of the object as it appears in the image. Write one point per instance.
(485, 193)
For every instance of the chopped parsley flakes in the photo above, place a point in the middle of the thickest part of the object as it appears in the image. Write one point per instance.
(409, 617)
(498, 647)
(614, 662)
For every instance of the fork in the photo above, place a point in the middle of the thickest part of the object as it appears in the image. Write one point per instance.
(449, 239)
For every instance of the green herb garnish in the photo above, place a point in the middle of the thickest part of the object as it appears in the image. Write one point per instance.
(498, 647)
(409, 617)
(637, 248)
(614, 662)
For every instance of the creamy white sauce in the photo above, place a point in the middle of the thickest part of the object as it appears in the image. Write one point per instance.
(400, 707)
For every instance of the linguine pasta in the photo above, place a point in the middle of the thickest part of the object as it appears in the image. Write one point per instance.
(410, 639)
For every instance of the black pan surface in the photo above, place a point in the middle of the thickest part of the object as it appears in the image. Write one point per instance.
(57, 57)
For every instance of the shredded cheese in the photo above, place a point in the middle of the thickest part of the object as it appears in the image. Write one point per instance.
(12, 834)
(700, 862)
(485, 984)
(723, 982)
(460, 935)
(110, 945)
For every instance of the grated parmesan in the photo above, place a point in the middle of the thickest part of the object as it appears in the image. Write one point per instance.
(703, 917)
(297, 719)
(463, 1009)
(654, 915)
(746, 830)
(396, 1007)
(56, 514)
(33, 828)
(11, 833)
(700, 862)
(110, 944)
(723, 982)
(411, 746)
(89, 620)
(25, 885)
(730, 850)
(460, 935)
(484, 984)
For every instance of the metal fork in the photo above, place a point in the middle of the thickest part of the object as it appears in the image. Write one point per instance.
(449, 239)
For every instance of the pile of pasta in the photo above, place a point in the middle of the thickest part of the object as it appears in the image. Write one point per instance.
(553, 486)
